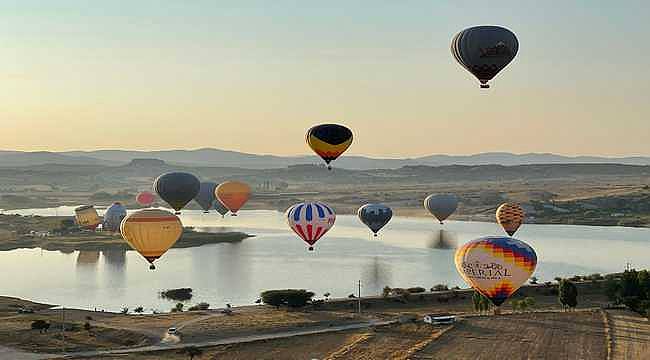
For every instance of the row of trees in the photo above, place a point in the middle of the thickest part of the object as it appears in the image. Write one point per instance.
(631, 288)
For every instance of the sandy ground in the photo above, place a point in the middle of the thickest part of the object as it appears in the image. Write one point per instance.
(575, 335)
(630, 334)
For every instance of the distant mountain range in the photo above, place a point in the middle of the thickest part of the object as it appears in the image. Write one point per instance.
(223, 158)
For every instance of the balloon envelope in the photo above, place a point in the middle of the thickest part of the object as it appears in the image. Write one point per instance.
(496, 266)
(375, 216)
(484, 50)
(510, 216)
(145, 198)
(177, 188)
(310, 220)
(329, 141)
(87, 217)
(151, 232)
(441, 205)
(205, 198)
(233, 195)
(113, 217)
(220, 208)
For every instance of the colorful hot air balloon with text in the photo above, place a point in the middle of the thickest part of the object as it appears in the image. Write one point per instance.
(87, 217)
(310, 220)
(145, 198)
(329, 141)
(233, 195)
(441, 205)
(510, 216)
(484, 51)
(151, 232)
(375, 216)
(177, 189)
(496, 266)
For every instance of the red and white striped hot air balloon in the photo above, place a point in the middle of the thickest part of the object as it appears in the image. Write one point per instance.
(310, 220)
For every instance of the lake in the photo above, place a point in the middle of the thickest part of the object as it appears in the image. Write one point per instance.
(408, 252)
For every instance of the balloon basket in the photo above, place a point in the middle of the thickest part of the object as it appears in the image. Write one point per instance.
(152, 267)
(485, 86)
(177, 213)
(329, 167)
(375, 235)
(311, 248)
(233, 214)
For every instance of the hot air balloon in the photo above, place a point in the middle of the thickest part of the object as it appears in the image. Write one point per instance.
(151, 232)
(329, 141)
(510, 216)
(113, 217)
(177, 189)
(87, 217)
(233, 195)
(222, 210)
(310, 220)
(496, 266)
(484, 51)
(205, 198)
(441, 205)
(375, 216)
(145, 198)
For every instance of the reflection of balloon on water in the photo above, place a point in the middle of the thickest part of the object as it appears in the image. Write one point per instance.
(222, 210)
(233, 195)
(443, 240)
(177, 188)
(510, 216)
(87, 217)
(205, 198)
(151, 232)
(113, 217)
(375, 216)
(310, 220)
(496, 266)
(329, 141)
(441, 205)
(145, 198)
(484, 51)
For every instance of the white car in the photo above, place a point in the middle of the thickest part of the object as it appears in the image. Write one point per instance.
(172, 331)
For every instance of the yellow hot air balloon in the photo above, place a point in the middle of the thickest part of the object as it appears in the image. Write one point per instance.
(510, 216)
(87, 217)
(496, 266)
(233, 195)
(151, 232)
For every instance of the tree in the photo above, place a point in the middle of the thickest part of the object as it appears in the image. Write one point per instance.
(191, 351)
(568, 294)
(386, 291)
(87, 326)
(533, 280)
(440, 287)
(178, 307)
(138, 310)
(288, 297)
(327, 296)
(416, 290)
(125, 310)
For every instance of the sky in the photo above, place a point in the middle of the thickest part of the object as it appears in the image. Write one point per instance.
(253, 76)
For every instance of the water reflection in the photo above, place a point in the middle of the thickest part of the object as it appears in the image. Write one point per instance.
(443, 240)
(87, 259)
(375, 275)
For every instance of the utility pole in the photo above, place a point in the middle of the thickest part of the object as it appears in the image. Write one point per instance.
(359, 297)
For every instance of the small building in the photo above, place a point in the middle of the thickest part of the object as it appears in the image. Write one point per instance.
(439, 319)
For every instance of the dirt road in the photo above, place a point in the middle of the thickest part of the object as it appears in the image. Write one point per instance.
(630, 334)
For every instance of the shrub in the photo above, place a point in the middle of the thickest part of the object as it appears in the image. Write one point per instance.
(416, 290)
(386, 291)
(178, 307)
(199, 306)
(125, 310)
(40, 325)
(181, 294)
(288, 297)
(440, 287)
(533, 280)
(138, 310)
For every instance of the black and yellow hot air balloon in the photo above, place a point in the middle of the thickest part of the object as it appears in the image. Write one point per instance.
(329, 141)
(151, 232)
(510, 216)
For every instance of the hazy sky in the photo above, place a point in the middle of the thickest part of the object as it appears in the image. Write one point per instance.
(254, 75)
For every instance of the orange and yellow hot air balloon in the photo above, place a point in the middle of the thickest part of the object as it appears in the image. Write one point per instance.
(233, 195)
(496, 266)
(87, 217)
(151, 232)
(329, 141)
(510, 216)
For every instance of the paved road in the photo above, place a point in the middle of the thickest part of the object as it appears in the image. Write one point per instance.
(233, 340)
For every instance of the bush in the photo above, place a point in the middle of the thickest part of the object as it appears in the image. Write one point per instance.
(178, 307)
(181, 294)
(125, 310)
(199, 306)
(440, 287)
(416, 290)
(533, 280)
(289, 297)
(138, 310)
(386, 291)
(40, 325)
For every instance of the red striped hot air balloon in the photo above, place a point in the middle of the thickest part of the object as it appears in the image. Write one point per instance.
(310, 220)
